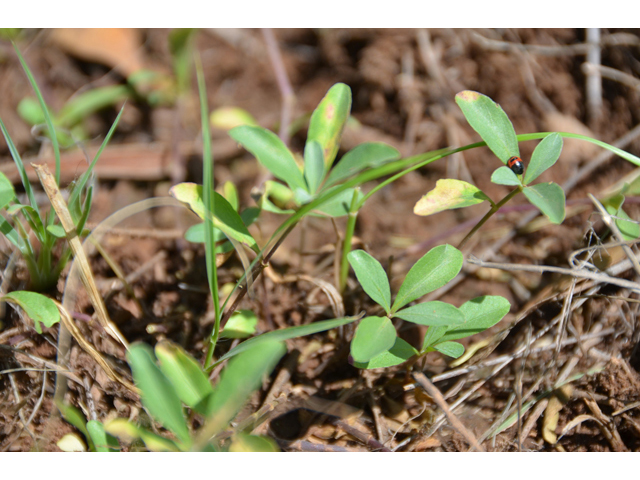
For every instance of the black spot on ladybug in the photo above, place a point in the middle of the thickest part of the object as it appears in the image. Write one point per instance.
(516, 165)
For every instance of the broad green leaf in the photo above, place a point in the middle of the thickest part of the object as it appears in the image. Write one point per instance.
(287, 334)
(488, 119)
(238, 381)
(544, 156)
(102, 440)
(241, 324)
(372, 277)
(41, 309)
(227, 118)
(57, 231)
(373, 336)
(185, 374)
(7, 193)
(399, 353)
(252, 443)
(313, 165)
(436, 314)
(270, 152)
(365, 155)
(451, 349)
(549, 198)
(504, 176)
(435, 269)
(433, 335)
(328, 120)
(447, 195)
(157, 394)
(480, 313)
(339, 205)
(30, 111)
(225, 217)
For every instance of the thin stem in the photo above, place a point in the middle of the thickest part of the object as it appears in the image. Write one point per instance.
(489, 214)
(346, 243)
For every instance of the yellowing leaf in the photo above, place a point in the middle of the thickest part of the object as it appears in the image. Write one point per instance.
(447, 195)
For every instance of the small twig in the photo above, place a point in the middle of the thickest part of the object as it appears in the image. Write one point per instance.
(434, 393)
(594, 80)
(612, 74)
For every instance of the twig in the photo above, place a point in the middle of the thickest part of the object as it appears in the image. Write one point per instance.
(594, 80)
(612, 74)
(434, 393)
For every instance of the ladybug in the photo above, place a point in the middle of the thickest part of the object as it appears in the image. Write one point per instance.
(516, 165)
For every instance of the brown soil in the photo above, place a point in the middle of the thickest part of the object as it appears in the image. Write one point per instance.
(403, 84)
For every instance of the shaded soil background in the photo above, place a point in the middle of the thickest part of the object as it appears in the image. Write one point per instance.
(403, 84)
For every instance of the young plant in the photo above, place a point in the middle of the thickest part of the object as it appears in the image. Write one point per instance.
(168, 378)
(376, 343)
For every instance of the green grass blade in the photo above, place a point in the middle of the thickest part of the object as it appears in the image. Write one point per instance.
(45, 111)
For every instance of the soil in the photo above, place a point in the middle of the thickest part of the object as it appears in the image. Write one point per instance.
(403, 84)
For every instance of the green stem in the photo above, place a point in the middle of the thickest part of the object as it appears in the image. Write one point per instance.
(346, 243)
(489, 214)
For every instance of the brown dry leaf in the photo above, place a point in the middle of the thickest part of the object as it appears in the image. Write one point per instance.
(118, 48)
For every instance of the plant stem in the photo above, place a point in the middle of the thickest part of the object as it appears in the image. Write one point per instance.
(489, 214)
(346, 242)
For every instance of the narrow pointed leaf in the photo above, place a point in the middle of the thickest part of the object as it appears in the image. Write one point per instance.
(239, 380)
(184, 373)
(491, 122)
(437, 314)
(449, 194)
(365, 155)
(372, 277)
(504, 176)
(157, 394)
(480, 313)
(225, 217)
(270, 152)
(399, 353)
(313, 165)
(373, 336)
(544, 156)
(549, 198)
(435, 269)
(102, 440)
(328, 120)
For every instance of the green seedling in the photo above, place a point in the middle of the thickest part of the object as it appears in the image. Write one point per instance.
(37, 235)
(97, 439)
(376, 343)
(170, 380)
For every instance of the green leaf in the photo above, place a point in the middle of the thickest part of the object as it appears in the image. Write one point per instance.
(102, 440)
(452, 349)
(12, 235)
(30, 111)
(252, 443)
(549, 198)
(544, 156)
(230, 192)
(89, 102)
(128, 432)
(480, 313)
(41, 309)
(270, 152)
(57, 231)
(365, 155)
(313, 165)
(227, 118)
(184, 373)
(242, 376)
(505, 176)
(434, 313)
(339, 205)
(488, 119)
(399, 353)
(373, 336)
(435, 269)
(156, 392)
(328, 120)
(372, 277)
(241, 324)
(433, 335)
(76, 418)
(287, 334)
(7, 193)
(629, 229)
(449, 194)
(225, 217)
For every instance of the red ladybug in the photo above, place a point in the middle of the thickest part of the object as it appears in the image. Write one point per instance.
(516, 165)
